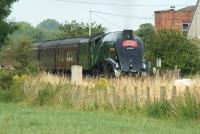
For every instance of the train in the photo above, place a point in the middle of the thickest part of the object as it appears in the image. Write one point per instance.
(113, 53)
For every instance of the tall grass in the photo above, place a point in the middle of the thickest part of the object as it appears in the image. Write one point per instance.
(122, 95)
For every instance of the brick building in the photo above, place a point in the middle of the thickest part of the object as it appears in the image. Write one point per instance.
(174, 19)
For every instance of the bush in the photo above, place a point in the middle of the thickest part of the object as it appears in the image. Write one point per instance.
(16, 90)
(5, 79)
(101, 84)
(11, 86)
(5, 96)
(172, 47)
(18, 53)
(47, 95)
(159, 109)
(187, 108)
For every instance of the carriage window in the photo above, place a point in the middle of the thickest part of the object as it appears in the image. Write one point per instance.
(62, 54)
(59, 54)
(66, 55)
(70, 56)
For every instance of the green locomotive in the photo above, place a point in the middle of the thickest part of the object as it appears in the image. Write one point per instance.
(111, 53)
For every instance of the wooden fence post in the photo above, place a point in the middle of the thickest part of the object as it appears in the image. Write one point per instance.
(174, 93)
(148, 95)
(187, 91)
(136, 100)
(163, 94)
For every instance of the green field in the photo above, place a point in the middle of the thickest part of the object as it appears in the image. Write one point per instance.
(19, 119)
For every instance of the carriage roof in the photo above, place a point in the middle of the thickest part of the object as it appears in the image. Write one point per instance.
(64, 42)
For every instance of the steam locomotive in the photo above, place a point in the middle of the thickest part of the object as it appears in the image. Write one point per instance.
(113, 53)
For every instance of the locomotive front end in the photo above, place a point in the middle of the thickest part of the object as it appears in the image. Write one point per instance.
(130, 53)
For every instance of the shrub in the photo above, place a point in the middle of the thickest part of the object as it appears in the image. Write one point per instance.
(187, 108)
(159, 109)
(5, 96)
(46, 96)
(172, 47)
(5, 79)
(101, 84)
(19, 54)
(11, 86)
(16, 90)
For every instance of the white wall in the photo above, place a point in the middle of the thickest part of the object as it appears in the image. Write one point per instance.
(194, 31)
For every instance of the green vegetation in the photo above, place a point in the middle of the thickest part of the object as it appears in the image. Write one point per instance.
(21, 119)
(75, 29)
(5, 26)
(18, 53)
(49, 24)
(40, 33)
(50, 29)
(172, 47)
(5, 78)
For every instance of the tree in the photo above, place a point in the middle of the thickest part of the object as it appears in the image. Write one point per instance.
(5, 26)
(147, 33)
(18, 53)
(176, 50)
(75, 29)
(49, 24)
(36, 34)
(172, 47)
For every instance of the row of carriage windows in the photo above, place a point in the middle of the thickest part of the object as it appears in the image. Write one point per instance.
(62, 54)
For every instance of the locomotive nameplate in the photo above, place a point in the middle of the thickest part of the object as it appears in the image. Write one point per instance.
(130, 48)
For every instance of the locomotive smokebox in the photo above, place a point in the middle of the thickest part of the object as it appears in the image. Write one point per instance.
(128, 34)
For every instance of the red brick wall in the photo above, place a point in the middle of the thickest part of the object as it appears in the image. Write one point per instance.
(171, 19)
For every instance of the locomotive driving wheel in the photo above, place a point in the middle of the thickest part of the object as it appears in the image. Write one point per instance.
(96, 71)
(107, 70)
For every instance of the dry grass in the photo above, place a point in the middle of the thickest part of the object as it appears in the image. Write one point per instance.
(99, 93)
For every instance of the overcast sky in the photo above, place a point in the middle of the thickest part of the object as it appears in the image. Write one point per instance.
(34, 11)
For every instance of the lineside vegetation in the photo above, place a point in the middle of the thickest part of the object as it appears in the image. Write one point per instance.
(125, 95)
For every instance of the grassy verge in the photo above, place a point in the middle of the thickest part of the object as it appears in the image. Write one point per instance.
(18, 119)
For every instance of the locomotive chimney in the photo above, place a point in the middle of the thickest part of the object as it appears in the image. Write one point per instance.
(128, 34)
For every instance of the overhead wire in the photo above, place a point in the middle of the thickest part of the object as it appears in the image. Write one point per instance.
(115, 4)
(124, 16)
(105, 20)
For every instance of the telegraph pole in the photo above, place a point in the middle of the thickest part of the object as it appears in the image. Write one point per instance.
(90, 23)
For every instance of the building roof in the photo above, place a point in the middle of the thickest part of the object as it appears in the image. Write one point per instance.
(167, 10)
(187, 9)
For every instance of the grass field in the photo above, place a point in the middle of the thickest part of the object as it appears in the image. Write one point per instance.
(19, 119)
